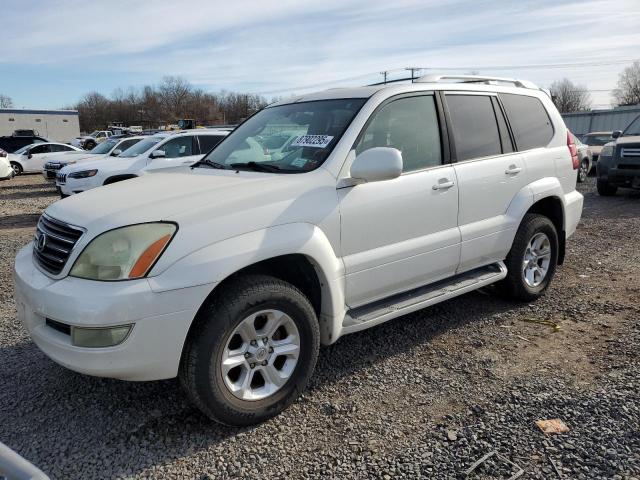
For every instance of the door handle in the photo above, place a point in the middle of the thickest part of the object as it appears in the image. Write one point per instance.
(513, 170)
(443, 184)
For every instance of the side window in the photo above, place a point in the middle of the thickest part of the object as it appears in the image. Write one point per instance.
(126, 144)
(207, 142)
(475, 129)
(529, 121)
(40, 149)
(60, 148)
(505, 138)
(178, 147)
(409, 124)
(100, 135)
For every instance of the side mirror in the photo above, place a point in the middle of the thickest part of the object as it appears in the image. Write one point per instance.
(377, 164)
(116, 152)
(158, 154)
(30, 155)
(616, 134)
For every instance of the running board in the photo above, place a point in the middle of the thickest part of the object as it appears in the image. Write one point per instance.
(397, 305)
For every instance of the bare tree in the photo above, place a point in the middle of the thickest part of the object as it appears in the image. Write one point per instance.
(5, 101)
(570, 97)
(628, 90)
(174, 93)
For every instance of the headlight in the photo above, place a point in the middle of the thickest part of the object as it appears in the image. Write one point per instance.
(607, 151)
(124, 253)
(83, 174)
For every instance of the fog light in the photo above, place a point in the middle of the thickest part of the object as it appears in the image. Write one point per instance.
(99, 337)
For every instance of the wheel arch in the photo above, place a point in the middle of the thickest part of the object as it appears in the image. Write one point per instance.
(118, 178)
(300, 254)
(553, 208)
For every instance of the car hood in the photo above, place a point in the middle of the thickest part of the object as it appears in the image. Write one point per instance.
(629, 139)
(221, 203)
(102, 163)
(66, 157)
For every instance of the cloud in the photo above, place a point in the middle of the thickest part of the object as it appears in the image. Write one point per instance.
(269, 46)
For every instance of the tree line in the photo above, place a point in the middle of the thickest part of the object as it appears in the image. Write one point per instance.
(174, 98)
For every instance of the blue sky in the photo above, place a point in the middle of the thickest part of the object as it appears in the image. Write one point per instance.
(53, 52)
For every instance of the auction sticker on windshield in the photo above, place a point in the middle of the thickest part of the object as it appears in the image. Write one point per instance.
(317, 141)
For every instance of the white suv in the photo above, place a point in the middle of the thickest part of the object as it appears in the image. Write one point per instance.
(153, 153)
(231, 274)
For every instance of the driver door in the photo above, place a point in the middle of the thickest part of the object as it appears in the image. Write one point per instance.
(179, 151)
(400, 234)
(37, 160)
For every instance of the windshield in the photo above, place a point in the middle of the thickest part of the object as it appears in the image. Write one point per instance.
(596, 140)
(104, 147)
(93, 134)
(291, 138)
(633, 128)
(141, 147)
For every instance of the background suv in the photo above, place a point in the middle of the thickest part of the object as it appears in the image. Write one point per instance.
(231, 274)
(619, 164)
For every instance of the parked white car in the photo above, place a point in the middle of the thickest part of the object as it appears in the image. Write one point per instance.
(153, 153)
(109, 148)
(230, 275)
(6, 172)
(88, 142)
(31, 158)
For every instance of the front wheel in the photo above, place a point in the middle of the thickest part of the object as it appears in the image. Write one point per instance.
(251, 351)
(531, 262)
(17, 168)
(605, 189)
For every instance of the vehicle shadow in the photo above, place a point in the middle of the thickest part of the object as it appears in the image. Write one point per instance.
(34, 193)
(115, 417)
(24, 220)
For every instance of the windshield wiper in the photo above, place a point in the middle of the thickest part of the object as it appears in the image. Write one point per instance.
(256, 166)
(208, 163)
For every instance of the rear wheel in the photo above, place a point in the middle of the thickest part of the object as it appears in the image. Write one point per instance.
(251, 352)
(605, 189)
(17, 168)
(531, 262)
(583, 171)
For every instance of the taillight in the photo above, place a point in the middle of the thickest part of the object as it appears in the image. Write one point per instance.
(573, 151)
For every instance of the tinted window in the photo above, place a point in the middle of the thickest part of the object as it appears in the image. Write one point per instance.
(207, 142)
(505, 137)
(60, 148)
(410, 125)
(127, 143)
(475, 129)
(178, 147)
(529, 121)
(40, 149)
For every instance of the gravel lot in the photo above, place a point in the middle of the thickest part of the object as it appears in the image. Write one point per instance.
(423, 396)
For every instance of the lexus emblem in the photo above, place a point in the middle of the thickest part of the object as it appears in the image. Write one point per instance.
(40, 241)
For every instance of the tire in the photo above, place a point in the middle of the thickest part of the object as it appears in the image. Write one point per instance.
(516, 285)
(605, 189)
(17, 168)
(583, 171)
(89, 145)
(211, 338)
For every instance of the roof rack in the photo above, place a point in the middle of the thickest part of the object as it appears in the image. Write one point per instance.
(435, 78)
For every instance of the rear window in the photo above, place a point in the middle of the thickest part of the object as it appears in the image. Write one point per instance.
(475, 128)
(529, 121)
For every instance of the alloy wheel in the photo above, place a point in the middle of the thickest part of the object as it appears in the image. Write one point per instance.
(536, 261)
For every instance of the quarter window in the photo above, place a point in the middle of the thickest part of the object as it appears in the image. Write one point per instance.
(409, 124)
(475, 129)
(529, 121)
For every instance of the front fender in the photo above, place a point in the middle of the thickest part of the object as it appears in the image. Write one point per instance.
(215, 262)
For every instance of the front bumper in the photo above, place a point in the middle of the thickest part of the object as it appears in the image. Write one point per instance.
(621, 177)
(160, 321)
(71, 186)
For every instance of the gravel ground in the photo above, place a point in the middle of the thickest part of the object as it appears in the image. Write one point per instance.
(423, 396)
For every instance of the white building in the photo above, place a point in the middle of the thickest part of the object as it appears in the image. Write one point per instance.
(56, 125)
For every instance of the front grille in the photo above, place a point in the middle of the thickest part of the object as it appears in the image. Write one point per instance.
(630, 152)
(53, 243)
(61, 177)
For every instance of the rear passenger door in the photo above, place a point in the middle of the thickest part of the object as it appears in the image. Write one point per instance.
(402, 233)
(490, 174)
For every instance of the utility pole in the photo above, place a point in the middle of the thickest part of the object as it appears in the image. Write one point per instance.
(384, 75)
(413, 70)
